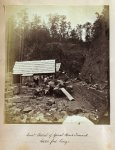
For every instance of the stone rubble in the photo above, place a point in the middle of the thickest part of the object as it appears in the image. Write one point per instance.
(28, 107)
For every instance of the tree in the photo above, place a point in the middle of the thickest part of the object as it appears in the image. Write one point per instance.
(54, 26)
(79, 31)
(63, 28)
(38, 37)
(11, 36)
(88, 28)
(68, 29)
(101, 25)
(73, 36)
(23, 28)
(36, 23)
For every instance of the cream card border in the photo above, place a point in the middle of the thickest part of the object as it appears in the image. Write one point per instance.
(100, 137)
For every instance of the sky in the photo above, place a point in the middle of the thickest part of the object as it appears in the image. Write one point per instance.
(75, 14)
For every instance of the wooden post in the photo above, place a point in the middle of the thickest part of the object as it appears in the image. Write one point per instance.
(20, 84)
(39, 80)
(55, 69)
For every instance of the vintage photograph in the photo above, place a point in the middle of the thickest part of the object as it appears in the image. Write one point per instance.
(57, 64)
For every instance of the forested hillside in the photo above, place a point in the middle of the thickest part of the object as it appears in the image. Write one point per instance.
(35, 40)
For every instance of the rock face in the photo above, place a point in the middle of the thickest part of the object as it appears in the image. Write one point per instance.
(95, 68)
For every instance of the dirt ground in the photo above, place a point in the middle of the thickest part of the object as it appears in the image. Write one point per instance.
(26, 108)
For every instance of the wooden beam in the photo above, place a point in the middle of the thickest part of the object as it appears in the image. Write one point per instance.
(67, 94)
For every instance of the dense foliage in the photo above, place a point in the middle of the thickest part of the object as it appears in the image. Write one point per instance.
(34, 40)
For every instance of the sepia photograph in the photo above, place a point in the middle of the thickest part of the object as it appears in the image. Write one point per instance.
(57, 64)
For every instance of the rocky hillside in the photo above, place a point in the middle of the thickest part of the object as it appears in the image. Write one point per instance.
(97, 62)
(97, 58)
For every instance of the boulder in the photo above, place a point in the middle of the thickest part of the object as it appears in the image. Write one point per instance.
(48, 114)
(17, 111)
(27, 109)
(39, 92)
(25, 99)
(63, 113)
(53, 109)
(50, 102)
(74, 110)
(16, 99)
(57, 117)
(9, 105)
(24, 119)
(94, 118)
(31, 113)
